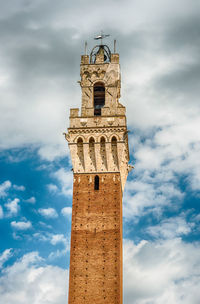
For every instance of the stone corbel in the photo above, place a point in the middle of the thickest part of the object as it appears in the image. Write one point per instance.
(67, 137)
(130, 168)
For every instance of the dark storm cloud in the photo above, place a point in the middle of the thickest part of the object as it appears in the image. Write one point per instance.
(183, 33)
(41, 44)
(38, 52)
(181, 39)
(183, 81)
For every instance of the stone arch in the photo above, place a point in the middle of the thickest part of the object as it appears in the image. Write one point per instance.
(102, 139)
(114, 139)
(94, 75)
(91, 139)
(79, 140)
(79, 136)
(86, 75)
(100, 136)
(113, 135)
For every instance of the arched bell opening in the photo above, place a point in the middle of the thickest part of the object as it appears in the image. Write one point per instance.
(79, 141)
(102, 141)
(91, 142)
(96, 182)
(114, 140)
(99, 97)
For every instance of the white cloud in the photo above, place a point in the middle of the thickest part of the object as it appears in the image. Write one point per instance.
(48, 212)
(41, 236)
(66, 211)
(52, 188)
(50, 116)
(27, 278)
(4, 187)
(16, 236)
(167, 153)
(168, 141)
(58, 238)
(5, 256)
(57, 254)
(1, 212)
(21, 225)
(19, 188)
(65, 178)
(151, 194)
(53, 239)
(45, 225)
(162, 272)
(13, 207)
(30, 200)
(171, 228)
(50, 152)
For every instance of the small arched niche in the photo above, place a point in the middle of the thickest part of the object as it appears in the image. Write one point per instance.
(114, 141)
(99, 97)
(102, 141)
(96, 182)
(91, 142)
(79, 141)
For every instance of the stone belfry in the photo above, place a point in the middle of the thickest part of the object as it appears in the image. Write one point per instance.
(98, 143)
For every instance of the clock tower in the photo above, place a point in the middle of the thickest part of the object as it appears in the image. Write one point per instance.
(98, 142)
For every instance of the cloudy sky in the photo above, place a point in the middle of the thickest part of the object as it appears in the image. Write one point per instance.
(159, 45)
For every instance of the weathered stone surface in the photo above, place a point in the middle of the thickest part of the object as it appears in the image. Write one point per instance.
(111, 123)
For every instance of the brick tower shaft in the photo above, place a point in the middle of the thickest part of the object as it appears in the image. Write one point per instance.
(96, 240)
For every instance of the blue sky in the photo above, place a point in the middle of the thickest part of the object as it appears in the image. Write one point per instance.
(159, 47)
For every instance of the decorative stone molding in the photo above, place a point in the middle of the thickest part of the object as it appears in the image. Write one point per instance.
(99, 143)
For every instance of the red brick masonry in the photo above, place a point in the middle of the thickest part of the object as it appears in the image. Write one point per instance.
(96, 240)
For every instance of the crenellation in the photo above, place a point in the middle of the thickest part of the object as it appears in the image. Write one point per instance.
(74, 112)
(114, 58)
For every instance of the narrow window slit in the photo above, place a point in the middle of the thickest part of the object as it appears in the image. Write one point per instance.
(96, 182)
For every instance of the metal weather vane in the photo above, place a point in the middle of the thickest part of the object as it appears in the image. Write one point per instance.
(97, 48)
(101, 36)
